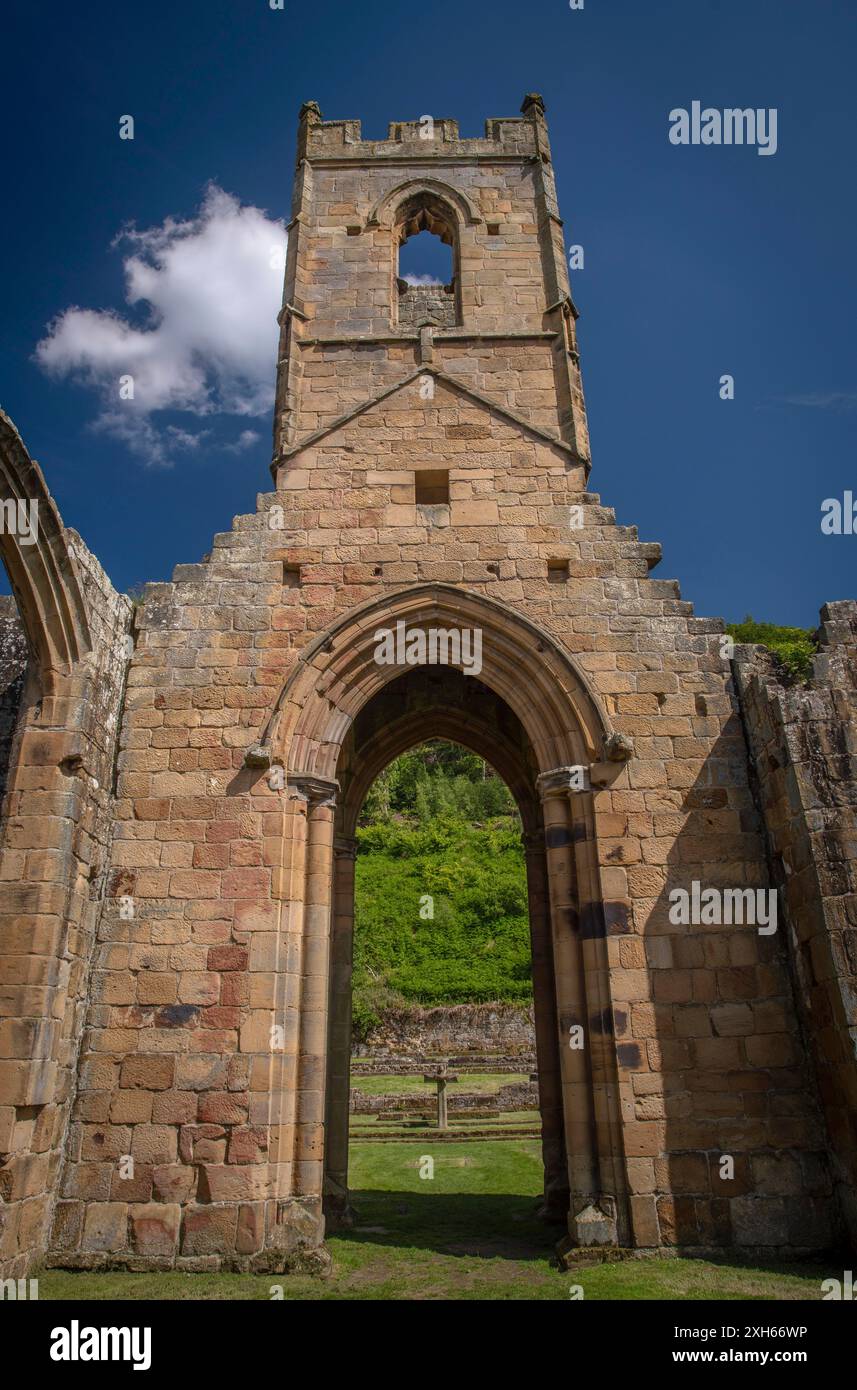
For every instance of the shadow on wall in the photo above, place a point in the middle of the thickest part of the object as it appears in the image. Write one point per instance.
(720, 1077)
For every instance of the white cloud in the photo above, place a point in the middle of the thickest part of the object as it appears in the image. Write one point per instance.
(211, 288)
(245, 440)
(422, 280)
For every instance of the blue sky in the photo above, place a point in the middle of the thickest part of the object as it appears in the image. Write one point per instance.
(699, 261)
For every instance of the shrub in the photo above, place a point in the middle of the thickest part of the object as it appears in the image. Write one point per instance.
(795, 646)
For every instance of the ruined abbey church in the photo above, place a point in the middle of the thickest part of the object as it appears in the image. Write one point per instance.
(181, 780)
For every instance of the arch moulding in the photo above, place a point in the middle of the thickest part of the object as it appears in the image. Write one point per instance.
(521, 663)
(42, 572)
(384, 212)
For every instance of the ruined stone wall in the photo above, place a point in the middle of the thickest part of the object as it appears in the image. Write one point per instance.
(53, 853)
(803, 741)
(453, 1030)
(521, 1095)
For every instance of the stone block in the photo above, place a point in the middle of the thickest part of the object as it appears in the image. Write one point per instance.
(147, 1073)
(105, 1227)
(209, 1230)
(155, 1228)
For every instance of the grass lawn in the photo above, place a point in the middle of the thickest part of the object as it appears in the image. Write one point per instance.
(468, 1233)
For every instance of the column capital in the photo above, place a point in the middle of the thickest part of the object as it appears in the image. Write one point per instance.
(559, 781)
(316, 791)
(344, 847)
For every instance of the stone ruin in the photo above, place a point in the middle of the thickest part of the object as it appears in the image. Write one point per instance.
(182, 781)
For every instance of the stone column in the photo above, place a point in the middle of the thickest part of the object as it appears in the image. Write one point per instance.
(277, 1068)
(607, 1110)
(314, 983)
(555, 1205)
(339, 1031)
(589, 1223)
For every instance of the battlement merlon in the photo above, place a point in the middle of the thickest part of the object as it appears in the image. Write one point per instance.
(510, 137)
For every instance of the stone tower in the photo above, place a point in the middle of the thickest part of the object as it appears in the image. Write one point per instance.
(431, 564)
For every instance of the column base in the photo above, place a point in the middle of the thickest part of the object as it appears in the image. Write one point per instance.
(594, 1223)
(571, 1256)
(593, 1235)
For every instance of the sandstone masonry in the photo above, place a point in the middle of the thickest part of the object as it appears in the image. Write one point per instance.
(176, 874)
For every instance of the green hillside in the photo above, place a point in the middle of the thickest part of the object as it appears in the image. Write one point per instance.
(441, 894)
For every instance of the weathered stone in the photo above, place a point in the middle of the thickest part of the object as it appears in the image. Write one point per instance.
(209, 1230)
(105, 1227)
(155, 1228)
(174, 1182)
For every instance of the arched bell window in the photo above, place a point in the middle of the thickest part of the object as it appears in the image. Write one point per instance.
(425, 242)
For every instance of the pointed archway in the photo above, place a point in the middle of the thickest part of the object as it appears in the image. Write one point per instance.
(531, 712)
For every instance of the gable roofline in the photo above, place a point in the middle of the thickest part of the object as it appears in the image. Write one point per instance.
(544, 435)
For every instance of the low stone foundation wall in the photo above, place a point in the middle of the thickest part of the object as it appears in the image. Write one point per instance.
(474, 1063)
(457, 1030)
(519, 1096)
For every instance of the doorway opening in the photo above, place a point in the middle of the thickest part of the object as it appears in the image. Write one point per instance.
(444, 1130)
(441, 960)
